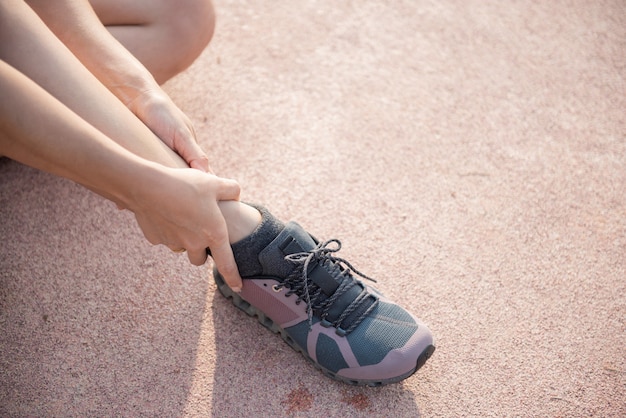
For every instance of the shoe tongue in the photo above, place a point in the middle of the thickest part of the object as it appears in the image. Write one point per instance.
(292, 239)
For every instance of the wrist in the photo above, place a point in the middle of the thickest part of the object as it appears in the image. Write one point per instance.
(133, 186)
(143, 100)
(131, 85)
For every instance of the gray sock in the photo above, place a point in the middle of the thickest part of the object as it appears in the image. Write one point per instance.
(247, 250)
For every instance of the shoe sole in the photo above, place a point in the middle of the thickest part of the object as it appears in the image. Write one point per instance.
(240, 303)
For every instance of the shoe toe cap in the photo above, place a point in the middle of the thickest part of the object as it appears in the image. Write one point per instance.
(389, 346)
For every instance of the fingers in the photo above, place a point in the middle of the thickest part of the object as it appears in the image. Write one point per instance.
(201, 164)
(225, 262)
(191, 151)
(148, 229)
(195, 157)
(197, 258)
(186, 145)
(192, 220)
(220, 248)
(228, 190)
(158, 112)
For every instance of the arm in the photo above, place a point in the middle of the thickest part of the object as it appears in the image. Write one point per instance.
(76, 24)
(175, 207)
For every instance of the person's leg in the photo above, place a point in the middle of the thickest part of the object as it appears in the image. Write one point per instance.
(29, 46)
(346, 328)
(166, 36)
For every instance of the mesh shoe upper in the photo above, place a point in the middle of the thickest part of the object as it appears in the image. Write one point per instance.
(315, 301)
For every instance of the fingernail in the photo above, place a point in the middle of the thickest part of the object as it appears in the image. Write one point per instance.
(237, 289)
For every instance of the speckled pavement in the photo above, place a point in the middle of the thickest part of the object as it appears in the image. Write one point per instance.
(469, 155)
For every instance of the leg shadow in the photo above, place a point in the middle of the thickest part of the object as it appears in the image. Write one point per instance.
(93, 320)
(256, 372)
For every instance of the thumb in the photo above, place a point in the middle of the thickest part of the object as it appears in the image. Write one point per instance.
(195, 157)
(228, 189)
(224, 259)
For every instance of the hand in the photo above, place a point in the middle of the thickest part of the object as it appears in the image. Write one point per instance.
(157, 111)
(183, 213)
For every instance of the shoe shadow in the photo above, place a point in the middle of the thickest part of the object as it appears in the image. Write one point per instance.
(93, 321)
(257, 374)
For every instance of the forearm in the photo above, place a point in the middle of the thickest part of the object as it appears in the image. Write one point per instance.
(39, 131)
(75, 23)
(30, 47)
(107, 70)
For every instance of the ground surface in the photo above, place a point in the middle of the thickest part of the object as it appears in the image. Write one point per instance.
(469, 155)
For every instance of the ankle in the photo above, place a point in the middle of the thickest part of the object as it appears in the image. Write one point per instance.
(248, 249)
(241, 219)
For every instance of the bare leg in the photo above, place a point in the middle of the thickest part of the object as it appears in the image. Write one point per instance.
(166, 36)
(70, 82)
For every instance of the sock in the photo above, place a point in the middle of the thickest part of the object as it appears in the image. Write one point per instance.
(247, 250)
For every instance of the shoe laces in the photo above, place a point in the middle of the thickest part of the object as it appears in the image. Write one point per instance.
(299, 283)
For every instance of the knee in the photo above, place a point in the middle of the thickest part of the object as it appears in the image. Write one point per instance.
(190, 25)
(194, 22)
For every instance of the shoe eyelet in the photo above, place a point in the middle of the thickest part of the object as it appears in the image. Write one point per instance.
(340, 331)
(276, 288)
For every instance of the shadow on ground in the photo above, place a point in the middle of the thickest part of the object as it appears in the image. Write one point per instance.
(274, 380)
(92, 322)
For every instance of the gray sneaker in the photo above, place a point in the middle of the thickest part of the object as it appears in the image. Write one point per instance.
(312, 299)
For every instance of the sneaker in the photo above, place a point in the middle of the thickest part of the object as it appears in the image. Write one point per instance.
(314, 300)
